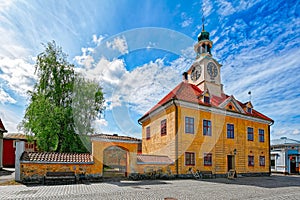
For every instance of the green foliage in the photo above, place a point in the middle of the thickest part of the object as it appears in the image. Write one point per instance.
(63, 104)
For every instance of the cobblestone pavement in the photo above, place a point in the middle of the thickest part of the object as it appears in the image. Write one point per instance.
(274, 187)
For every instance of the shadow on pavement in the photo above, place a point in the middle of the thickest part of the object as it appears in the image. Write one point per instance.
(4, 172)
(273, 181)
(136, 184)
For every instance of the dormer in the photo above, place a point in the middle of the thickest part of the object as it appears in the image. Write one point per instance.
(248, 107)
(205, 98)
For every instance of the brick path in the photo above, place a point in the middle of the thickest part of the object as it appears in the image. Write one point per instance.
(274, 187)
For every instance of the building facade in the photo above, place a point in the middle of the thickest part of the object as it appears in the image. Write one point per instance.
(2, 130)
(9, 147)
(197, 125)
(285, 156)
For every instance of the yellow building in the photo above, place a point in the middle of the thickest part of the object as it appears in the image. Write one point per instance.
(197, 125)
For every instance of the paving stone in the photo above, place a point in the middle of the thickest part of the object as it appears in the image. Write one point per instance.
(275, 187)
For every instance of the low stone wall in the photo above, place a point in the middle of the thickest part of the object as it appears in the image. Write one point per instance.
(34, 172)
(145, 168)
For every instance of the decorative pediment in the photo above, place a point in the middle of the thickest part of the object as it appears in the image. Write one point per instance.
(231, 104)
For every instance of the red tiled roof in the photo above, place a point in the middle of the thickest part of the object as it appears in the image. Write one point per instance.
(15, 136)
(183, 91)
(143, 158)
(57, 157)
(191, 93)
(2, 129)
(115, 137)
(255, 113)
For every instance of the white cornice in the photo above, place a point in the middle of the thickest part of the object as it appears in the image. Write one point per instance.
(206, 109)
(115, 140)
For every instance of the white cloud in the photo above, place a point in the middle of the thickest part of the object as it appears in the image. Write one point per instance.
(85, 59)
(296, 132)
(100, 122)
(17, 74)
(119, 43)
(225, 8)
(186, 20)
(207, 7)
(98, 40)
(141, 88)
(10, 118)
(5, 97)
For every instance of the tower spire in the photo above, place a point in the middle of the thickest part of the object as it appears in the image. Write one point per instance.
(204, 45)
(203, 20)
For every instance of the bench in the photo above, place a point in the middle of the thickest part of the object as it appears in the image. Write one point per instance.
(207, 174)
(60, 177)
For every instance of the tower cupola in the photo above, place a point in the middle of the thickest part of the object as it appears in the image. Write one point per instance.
(204, 45)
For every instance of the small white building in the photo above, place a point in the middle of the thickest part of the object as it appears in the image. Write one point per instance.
(285, 155)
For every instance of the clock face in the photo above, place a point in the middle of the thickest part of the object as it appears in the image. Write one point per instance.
(212, 69)
(196, 72)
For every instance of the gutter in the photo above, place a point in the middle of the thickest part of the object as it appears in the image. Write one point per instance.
(176, 136)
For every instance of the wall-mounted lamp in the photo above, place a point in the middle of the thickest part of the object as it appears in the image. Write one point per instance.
(234, 151)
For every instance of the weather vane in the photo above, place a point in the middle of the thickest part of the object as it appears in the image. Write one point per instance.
(249, 93)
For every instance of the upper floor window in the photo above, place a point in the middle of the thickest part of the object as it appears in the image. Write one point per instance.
(249, 109)
(163, 127)
(207, 159)
(230, 130)
(189, 158)
(189, 125)
(250, 133)
(206, 99)
(250, 160)
(207, 127)
(261, 134)
(262, 160)
(148, 133)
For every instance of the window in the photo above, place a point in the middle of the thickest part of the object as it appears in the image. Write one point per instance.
(249, 109)
(207, 127)
(262, 160)
(189, 158)
(148, 133)
(250, 160)
(206, 99)
(230, 131)
(250, 134)
(189, 125)
(163, 127)
(261, 133)
(207, 159)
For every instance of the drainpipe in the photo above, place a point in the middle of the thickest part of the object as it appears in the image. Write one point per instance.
(269, 134)
(176, 136)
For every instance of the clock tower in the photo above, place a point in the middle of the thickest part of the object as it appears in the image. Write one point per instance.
(205, 71)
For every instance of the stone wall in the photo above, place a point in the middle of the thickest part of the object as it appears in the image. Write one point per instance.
(34, 172)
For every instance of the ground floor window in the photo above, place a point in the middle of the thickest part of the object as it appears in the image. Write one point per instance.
(261, 160)
(250, 160)
(207, 159)
(189, 158)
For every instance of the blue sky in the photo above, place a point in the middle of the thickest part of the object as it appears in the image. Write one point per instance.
(138, 50)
